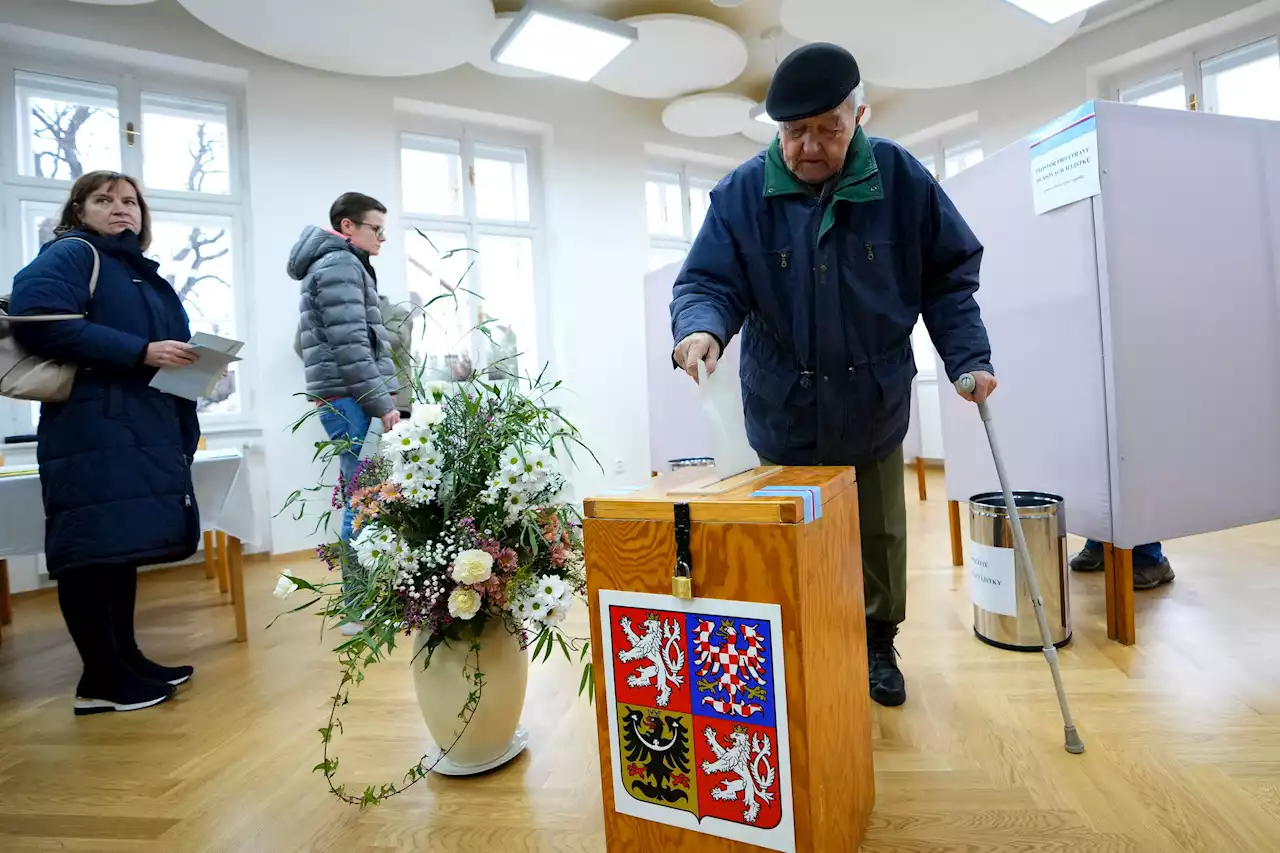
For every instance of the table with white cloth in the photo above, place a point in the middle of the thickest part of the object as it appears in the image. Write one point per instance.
(224, 495)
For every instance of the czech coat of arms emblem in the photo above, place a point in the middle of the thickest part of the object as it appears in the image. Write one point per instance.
(696, 697)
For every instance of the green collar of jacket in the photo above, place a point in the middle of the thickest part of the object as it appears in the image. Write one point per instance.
(858, 181)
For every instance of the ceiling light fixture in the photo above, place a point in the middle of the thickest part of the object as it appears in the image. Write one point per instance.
(761, 116)
(1053, 11)
(552, 39)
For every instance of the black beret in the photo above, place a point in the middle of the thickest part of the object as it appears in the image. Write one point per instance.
(810, 81)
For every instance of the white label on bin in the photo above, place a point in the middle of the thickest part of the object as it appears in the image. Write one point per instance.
(991, 575)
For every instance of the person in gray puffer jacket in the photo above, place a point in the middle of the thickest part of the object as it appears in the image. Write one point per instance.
(346, 351)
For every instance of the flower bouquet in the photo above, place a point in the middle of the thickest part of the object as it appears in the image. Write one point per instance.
(459, 533)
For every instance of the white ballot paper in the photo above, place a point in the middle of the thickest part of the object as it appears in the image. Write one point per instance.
(722, 406)
(372, 439)
(198, 380)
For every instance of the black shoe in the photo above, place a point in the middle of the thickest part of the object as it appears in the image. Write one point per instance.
(888, 687)
(1088, 560)
(125, 692)
(174, 675)
(1150, 577)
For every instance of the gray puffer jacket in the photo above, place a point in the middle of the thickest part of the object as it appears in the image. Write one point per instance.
(345, 348)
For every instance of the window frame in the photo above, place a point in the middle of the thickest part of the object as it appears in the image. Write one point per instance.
(690, 175)
(1189, 62)
(935, 149)
(130, 83)
(473, 227)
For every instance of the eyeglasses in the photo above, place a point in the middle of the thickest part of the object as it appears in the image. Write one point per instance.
(378, 230)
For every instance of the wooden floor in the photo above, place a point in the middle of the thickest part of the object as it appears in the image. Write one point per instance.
(1183, 731)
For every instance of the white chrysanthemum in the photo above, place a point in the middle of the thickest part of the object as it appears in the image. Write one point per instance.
(374, 545)
(415, 494)
(473, 566)
(427, 415)
(437, 390)
(550, 589)
(430, 478)
(512, 461)
(539, 460)
(555, 616)
(400, 437)
(531, 608)
(464, 603)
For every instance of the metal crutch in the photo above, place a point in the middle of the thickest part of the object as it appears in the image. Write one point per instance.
(1074, 744)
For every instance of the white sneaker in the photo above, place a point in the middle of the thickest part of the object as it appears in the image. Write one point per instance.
(350, 629)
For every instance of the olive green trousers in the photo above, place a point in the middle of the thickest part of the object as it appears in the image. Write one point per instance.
(882, 518)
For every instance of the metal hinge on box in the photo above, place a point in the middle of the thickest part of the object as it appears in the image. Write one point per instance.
(682, 576)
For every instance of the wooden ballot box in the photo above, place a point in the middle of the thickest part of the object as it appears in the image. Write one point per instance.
(729, 641)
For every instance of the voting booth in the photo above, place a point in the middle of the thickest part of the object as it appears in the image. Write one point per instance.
(1131, 288)
(676, 430)
(728, 636)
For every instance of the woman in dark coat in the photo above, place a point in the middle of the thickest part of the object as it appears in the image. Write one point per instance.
(115, 458)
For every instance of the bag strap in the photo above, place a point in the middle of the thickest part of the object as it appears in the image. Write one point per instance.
(97, 264)
(45, 318)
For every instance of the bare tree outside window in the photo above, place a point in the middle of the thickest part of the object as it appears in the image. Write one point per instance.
(69, 127)
(61, 127)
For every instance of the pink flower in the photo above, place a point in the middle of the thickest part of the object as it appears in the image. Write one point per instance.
(507, 558)
(559, 554)
(494, 589)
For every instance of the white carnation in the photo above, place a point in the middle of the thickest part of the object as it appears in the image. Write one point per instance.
(464, 603)
(285, 586)
(472, 567)
(427, 415)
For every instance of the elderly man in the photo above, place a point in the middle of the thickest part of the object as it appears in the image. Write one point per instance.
(824, 250)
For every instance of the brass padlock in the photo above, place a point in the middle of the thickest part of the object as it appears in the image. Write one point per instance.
(682, 581)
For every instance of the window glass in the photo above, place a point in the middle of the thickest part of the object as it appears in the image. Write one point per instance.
(65, 127)
(1244, 82)
(506, 285)
(502, 183)
(184, 144)
(662, 196)
(1167, 92)
(195, 253)
(961, 157)
(431, 173)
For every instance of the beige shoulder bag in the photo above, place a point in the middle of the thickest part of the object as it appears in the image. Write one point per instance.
(24, 376)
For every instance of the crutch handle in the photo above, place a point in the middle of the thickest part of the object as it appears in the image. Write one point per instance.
(966, 385)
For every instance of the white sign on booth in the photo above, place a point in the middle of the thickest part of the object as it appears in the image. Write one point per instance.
(992, 579)
(1064, 160)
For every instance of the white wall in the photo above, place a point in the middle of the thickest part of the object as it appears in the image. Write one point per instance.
(1013, 105)
(312, 136)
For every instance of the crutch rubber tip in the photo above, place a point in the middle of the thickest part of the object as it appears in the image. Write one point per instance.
(1075, 746)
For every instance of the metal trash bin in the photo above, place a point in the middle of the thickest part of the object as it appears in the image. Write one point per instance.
(691, 462)
(1003, 614)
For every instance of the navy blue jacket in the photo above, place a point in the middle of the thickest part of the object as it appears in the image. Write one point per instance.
(826, 285)
(115, 458)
